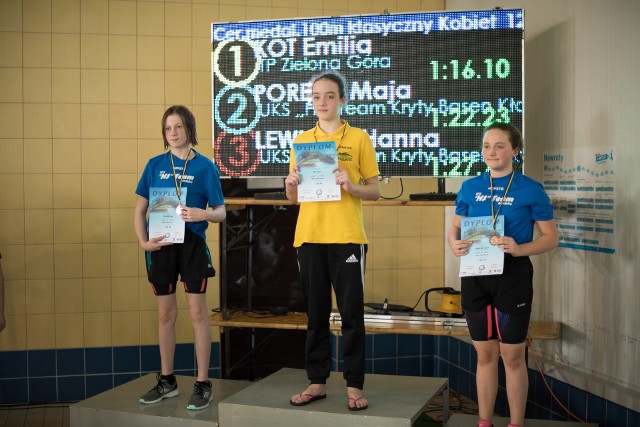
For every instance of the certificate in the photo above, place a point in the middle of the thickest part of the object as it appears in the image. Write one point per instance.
(485, 257)
(164, 220)
(316, 161)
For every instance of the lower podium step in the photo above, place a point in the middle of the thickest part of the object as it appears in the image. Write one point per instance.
(119, 406)
(393, 401)
(465, 420)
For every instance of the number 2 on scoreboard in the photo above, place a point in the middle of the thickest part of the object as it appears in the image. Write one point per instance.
(236, 118)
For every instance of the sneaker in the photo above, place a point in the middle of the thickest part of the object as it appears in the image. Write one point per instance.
(201, 395)
(161, 391)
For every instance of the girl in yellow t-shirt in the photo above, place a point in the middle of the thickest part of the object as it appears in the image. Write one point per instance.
(331, 245)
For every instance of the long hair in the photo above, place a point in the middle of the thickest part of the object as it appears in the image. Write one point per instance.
(515, 138)
(188, 120)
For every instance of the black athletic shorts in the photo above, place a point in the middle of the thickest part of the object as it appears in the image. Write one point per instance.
(190, 260)
(510, 292)
(492, 324)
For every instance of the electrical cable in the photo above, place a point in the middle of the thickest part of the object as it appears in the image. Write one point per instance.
(27, 406)
(535, 359)
(463, 406)
(255, 313)
(394, 197)
(419, 299)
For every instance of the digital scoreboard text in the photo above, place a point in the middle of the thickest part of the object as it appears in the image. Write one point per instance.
(422, 85)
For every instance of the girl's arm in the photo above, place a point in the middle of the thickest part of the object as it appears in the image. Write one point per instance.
(140, 224)
(368, 190)
(547, 240)
(215, 214)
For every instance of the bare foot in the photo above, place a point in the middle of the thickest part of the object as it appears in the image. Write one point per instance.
(312, 393)
(357, 401)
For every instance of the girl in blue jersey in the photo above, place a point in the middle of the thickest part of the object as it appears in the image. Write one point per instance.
(187, 171)
(498, 307)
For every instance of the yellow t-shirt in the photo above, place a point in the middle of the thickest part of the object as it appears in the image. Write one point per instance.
(340, 221)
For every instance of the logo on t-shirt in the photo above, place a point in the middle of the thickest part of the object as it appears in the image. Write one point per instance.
(345, 157)
(188, 179)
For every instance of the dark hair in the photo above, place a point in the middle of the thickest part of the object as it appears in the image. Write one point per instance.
(188, 120)
(515, 138)
(334, 77)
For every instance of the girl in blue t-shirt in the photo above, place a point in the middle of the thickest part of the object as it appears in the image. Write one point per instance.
(498, 307)
(196, 179)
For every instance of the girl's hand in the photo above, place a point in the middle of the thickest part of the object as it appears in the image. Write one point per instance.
(460, 247)
(509, 246)
(154, 244)
(193, 214)
(292, 180)
(342, 179)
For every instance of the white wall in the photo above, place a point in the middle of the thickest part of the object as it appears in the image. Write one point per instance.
(582, 73)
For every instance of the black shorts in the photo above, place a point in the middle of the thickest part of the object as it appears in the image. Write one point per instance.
(492, 324)
(510, 292)
(191, 260)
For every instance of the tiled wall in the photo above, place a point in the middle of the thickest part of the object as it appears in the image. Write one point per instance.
(83, 85)
(70, 375)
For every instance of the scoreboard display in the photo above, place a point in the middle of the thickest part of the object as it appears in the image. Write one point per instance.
(422, 85)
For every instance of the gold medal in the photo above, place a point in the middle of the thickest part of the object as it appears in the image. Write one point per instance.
(179, 210)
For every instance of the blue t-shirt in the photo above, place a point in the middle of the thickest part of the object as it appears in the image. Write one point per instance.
(526, 202)
(202, 180)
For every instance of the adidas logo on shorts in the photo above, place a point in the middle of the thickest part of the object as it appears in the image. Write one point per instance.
(352, 258)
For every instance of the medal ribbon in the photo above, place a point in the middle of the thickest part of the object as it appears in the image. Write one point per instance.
(184, 170)
(343, 132)
(504, 196)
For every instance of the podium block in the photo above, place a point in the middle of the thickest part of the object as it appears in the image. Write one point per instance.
(119, 406)
(394, 401)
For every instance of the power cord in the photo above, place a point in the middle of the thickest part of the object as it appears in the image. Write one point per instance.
(386, 181)
(419, 299)
(256, 313)
(457, 405)
(535, 359)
